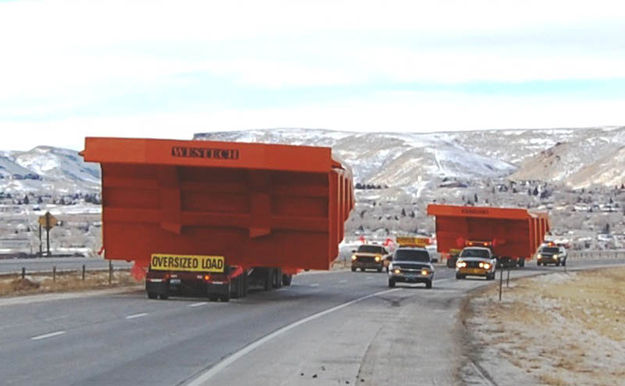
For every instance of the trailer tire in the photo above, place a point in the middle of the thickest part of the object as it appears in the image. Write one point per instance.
(152, 295)
(268, 279)
(286, 279)
(277, 278)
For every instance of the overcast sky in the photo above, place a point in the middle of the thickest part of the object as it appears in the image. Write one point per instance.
(168, 69)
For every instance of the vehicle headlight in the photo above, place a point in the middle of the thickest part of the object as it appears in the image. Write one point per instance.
(424, 272)
(481, 265)
(539, 256)
(377, 259)
(461, 264)
(397, 270)
(556, 256)
(486, 266)
(353, 257)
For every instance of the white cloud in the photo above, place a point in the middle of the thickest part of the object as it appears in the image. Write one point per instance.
(386, 112)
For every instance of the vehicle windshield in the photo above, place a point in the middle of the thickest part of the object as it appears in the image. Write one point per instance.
(550, 250)
(371, 249)
(412, 255)
(475, 253)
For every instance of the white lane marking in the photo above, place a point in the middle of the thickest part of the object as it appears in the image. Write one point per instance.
(314, 285)
(136, 315)
(50, 335)
(210, 373)
(197, 304)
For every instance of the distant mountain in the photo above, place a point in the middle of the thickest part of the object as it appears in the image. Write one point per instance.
(47, 169)
(410, 161)
(575, 157)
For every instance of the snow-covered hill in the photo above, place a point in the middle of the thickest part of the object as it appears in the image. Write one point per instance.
(410, 161)
(575, 157)
(48, 170)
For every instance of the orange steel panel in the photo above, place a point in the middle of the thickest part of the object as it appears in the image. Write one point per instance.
(273, 206)
(514, 232)
(207, 154)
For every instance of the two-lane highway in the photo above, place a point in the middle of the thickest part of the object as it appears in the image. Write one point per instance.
(331, 327)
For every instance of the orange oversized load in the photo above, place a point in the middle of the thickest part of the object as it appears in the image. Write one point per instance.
(178, 206)
(512, 234)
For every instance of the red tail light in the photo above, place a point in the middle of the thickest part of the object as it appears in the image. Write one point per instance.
(207, 277)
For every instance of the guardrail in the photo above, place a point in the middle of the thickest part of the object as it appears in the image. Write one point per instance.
(597, 254)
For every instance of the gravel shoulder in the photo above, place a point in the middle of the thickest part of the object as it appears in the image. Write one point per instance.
(556, 329)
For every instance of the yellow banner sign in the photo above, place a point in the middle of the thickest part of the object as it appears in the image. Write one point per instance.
(412, 241)
(191, 263)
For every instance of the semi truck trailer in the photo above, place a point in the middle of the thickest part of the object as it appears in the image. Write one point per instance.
(216, 217)
(513, 235)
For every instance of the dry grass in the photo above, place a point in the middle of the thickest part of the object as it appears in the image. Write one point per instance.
(14, 285)
(565, 329)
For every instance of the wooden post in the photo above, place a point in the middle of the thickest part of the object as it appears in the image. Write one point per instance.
(83, 272)
(110, 272)
(54, 273)
(48, 234)
(23, 273)
(500, 284)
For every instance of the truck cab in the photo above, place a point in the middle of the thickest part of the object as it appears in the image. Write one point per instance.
(411, 265)
(476, 261)
(369, 256)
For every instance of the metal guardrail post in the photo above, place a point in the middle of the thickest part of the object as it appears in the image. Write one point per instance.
(54, 273)
(23, 273)
(83, 272)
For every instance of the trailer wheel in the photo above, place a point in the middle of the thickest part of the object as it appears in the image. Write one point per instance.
(268, 279)
(286, 279)
(152, 295)
(277, 278)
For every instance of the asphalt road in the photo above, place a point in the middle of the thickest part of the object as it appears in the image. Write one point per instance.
(327, 328)
(45, 264)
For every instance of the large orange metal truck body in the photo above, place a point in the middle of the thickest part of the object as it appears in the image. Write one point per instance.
(254, 204)
(511, 233)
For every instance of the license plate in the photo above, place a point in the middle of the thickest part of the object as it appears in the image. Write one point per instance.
(174, 281)
(475, 270)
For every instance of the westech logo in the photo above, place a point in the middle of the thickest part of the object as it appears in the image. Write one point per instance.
(474, 211)
(204, 152)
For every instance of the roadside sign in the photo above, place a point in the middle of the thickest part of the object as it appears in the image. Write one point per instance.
(48, 221)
